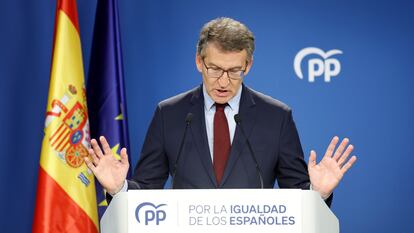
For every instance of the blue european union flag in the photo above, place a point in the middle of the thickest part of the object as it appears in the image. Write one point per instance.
(105, 86)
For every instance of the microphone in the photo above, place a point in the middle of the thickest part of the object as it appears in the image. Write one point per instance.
(188, 120)
(259, 172)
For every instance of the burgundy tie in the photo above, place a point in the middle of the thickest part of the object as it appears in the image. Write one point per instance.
(221, 142)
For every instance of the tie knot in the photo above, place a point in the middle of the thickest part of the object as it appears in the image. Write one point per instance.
(220, 107)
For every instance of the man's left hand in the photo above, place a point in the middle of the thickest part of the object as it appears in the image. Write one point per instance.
(326, 175)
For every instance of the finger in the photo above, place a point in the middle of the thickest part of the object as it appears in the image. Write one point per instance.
(312, 159)
(96, 148)
(331, 147)
(95, 159)
(105, 146)
(340, 149)
(349, 164)
(345, 155)
(89, 164)
(124, 156)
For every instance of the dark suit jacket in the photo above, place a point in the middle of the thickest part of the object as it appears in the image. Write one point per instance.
(267, 123)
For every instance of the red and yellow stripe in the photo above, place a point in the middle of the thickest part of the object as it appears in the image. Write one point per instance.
(63, 202)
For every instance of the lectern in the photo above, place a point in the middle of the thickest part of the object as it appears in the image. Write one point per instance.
(219, 211)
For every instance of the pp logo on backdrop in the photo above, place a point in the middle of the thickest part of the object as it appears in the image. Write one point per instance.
(150, 214)
(322, 65)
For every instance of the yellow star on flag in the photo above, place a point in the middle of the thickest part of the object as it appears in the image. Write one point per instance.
(115, 151)
(120, 117)
(104, 202)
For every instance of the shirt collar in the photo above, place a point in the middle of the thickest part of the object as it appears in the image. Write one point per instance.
(233, 102)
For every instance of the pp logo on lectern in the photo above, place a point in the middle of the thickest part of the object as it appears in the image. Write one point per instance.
(150, 213)
(322, 65)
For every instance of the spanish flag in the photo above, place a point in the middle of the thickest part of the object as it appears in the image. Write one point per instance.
(66, 198)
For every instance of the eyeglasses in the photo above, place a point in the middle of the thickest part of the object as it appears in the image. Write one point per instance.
(216, 72)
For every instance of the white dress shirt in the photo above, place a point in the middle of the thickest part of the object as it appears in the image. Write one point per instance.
(230, 110)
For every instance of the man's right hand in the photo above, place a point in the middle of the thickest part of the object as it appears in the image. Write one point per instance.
(109, 171)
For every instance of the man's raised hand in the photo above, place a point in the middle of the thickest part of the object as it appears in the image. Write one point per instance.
(327, 174)
(110, 172)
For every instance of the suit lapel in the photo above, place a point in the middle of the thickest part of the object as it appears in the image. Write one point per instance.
(198, 130)
(248, 116)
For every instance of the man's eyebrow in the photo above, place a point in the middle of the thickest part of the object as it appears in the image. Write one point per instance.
(231, 68)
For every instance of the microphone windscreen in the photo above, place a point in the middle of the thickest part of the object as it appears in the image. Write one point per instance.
(237, 118)
(188, 118)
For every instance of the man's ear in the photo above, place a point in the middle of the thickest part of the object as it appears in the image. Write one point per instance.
(199, 63)
(249, 66)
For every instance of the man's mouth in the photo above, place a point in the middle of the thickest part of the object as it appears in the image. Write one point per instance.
(222, 93)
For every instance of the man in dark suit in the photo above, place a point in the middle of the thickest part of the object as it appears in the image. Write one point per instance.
(223, 134)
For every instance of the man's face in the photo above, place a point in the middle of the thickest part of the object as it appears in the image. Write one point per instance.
(222, 89)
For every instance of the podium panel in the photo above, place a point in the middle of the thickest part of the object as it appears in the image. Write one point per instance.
(219, 211)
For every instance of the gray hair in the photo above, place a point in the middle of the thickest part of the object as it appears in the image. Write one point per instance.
(228, 34)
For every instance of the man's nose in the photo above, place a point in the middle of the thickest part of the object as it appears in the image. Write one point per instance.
(224, 80)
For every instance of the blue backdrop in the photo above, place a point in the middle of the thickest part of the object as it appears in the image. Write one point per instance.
(370, 100)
